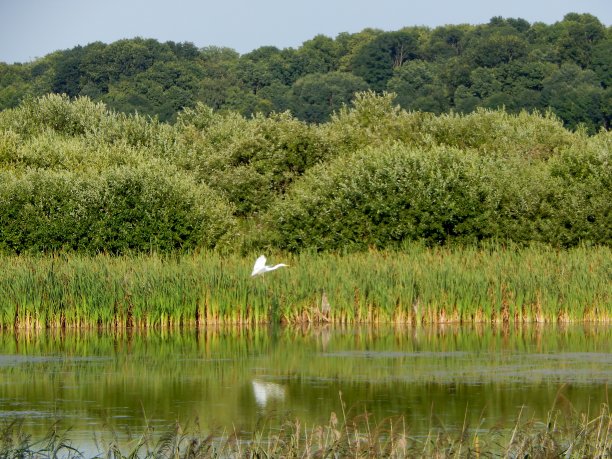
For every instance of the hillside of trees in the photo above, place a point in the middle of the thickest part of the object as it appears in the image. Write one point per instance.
(76, 176)
(565, 67)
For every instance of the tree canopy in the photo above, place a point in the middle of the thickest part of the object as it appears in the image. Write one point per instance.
(563, 67)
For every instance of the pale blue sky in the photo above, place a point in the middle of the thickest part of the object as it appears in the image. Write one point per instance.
(33, 28)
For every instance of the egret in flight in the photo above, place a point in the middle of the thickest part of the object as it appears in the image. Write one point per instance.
(261, 267)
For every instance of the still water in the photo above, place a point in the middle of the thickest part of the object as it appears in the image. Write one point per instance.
(236, 379)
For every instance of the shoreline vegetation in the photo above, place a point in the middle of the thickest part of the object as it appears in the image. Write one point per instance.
(387, 216)
(565, 433)
(413, 286)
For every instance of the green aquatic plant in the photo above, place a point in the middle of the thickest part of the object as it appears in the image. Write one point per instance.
(416, 285)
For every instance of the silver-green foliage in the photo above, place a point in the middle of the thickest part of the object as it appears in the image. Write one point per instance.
(76, 175)
(118, 210)
(252, 160)
(382, 196)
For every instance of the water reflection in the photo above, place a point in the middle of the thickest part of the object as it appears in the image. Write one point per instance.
(267, 392)
(231, 377)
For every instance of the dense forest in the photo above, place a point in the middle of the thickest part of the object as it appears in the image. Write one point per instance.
(565, 67)
(368, 140)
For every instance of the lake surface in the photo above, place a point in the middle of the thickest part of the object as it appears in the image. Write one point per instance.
(116, 383)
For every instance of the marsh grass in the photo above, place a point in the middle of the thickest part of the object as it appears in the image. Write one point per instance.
(577, 435)
(15, 443)
(417, 285)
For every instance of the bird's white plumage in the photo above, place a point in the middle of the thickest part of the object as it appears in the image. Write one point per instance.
(260, 266)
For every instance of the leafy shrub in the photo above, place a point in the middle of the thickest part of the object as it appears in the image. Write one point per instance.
(76, 176)
(249, 161)
(584, 209)
(154, 208)
(51, 150)
(54, 112)
(374, 119)
(386, 195)
(122, 209)
(531, 135)
(91, 121)
(44, 210)
(383, 196)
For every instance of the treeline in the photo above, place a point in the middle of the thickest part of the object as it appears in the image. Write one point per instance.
(565, 67)
(76, 176)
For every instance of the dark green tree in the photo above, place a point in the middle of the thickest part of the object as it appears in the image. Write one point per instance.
(68, 72)
(376, 61)
(418, 87)
(577, 35)
(13, 85)
(218, 68)
(265, 65)
(349, 45)
(575, 95)
(445, 42)
(319, 55)
(601, 60)
(496, 49)
(315, 97)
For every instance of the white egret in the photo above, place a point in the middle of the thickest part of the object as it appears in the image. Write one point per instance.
(261, 267)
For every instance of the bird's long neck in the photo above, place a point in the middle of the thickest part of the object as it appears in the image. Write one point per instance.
(280, 265)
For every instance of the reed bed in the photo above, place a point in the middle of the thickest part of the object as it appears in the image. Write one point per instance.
(578, 435)
(416, 285)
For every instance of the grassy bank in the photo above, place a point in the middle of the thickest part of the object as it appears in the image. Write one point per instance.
(577, 435)
(416, 285)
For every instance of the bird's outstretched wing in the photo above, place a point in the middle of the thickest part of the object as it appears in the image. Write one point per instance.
(260, 264)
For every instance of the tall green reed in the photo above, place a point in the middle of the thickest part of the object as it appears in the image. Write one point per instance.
(415, 285)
